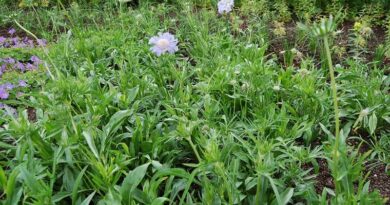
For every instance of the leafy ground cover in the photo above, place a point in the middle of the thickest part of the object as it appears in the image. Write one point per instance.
(195, 102)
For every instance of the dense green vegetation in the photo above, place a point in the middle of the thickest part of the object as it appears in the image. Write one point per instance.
(242, 113)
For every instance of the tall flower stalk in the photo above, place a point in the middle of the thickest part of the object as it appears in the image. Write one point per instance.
(323, 31)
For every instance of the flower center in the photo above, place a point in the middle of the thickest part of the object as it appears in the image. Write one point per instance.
(163, 43)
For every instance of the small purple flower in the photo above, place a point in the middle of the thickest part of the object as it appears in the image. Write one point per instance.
(15, 41)
(41, 42)
(35, 60)
(4, 94)
(9, 60)
(30, 66)
(22, 83)
(164, 42)
(225, 6)
(30, 43)
(2, 39)
(2, 68)
(20, 66)
(8, 86)
(12, 31)
(2, 106)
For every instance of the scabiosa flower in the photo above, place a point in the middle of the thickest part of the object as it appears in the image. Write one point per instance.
(9, 60)
(35, 60)
(2, 39)
(164, 42)
(225, 6)
(12, 31)
(41, 42)
(22, 83)
(30, 66)
(4, 94)
(7, 86)
(20, 66)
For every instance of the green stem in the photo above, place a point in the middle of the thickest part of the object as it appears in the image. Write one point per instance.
(335, 106)
(334, 91)
(193, 146)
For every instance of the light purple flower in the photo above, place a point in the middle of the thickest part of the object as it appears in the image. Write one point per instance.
(15, 41)
(30, 66)
(163, 43)
(12, 31)
(2, 39)
(30, 43)
(35, 60)
(4, 94)
(22, 83)
(9, 60)
(7, 86)
(2, 68)
(20, 66)
(225, 6)
(41, 42)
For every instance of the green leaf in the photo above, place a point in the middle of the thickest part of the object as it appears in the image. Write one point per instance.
(77, 184)
(131, 181)
(3, 178)
(286, 195)
(11, 191)
(91, 143)
(132, 94)
(372, 122)
(159, 201)
(88, 199)
(116, 121)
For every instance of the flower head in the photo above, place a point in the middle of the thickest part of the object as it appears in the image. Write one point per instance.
(365, 112)
(42, 42)
(2, 39)
(35, 60)
(30, 66)
(164, 42)
(225, 6)
(4, 94)
(22, 83)
(12, 31)
(7, 86)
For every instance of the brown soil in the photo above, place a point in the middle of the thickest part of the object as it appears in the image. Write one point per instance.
(378, 177)
(380, 180)
(342, 41)
(32, 116)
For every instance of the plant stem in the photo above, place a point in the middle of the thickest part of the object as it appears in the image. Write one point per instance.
(334, 91)
(336, 111)
(193, 146)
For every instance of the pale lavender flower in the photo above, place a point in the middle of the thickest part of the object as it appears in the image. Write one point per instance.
(20, 66)
(35, 60)
(30, 43)
(12, 31)
(41, 42)
(30, 66)
(22, 83)
(163, 43)
(9, 60)
(8, 86)
(225, 6)
(3, 68)
(2, 39)
(4, 94)
(15, 41)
